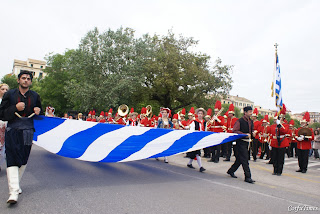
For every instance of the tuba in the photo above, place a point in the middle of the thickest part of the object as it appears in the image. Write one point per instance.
(123, 110)
(149, 111)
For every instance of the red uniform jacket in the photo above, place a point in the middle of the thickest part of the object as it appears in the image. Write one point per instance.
(145, 122)
(230, 124)
(306, 143)
(102, 121)
(256, 127)
(272, 130)
(120, 121)
(264, 130)
(216, 126)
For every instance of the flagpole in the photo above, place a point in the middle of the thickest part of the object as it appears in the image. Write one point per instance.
(274, 69)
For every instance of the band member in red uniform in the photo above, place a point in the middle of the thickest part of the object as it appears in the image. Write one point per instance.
(279, 141)
(292, 141)
(93, 116)
(264, 137)
(101, 118)
(144, 122)
(109, 116)
(304, 144)
(89, 116)
(133, 121)
(256, 127)
(183, 123)
(198, 124)
(175, 122)
(190, 118)
(216, 125)
(230, 123)
(119, 120)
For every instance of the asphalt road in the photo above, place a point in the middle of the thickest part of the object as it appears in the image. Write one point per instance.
(53, 184)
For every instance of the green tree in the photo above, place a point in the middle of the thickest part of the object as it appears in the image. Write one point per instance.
(103, 71)
(52, 87)
(315, 125)
(175, 77)
(296, 123)
(10, 80)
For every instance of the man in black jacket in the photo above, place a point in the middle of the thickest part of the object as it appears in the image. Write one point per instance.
(243, 126)
(17, 107)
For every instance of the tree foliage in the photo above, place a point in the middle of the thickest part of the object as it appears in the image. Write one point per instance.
(115, 67)
(10, 80)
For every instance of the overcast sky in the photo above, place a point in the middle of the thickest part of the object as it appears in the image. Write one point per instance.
(242, 33)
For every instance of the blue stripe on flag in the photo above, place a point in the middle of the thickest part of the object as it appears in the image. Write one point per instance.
(134, 144)
(77, 144)
(44, 124)
(183, 144)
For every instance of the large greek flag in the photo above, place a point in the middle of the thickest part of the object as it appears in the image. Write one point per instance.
(278, 91)
(99, 142)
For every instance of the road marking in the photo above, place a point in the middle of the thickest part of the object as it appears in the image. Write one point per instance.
(230, 186)
(290, 163)
(314, 164)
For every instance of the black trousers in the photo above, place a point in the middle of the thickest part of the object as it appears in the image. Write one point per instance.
(254, 149)
(224, 151)
(303, 158)
(206, 152)
(215, 152)
(17, 153)
(241, 153)
(228, 149)
(264, 149)
(278, 159)
(293, 146)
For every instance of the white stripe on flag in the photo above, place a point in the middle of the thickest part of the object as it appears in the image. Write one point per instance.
(158, 145)
(102, 146)
(54, 139)
(214, 139)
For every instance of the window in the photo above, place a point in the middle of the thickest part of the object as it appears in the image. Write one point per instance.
(31, 65)
(228, 102)
(41, 66)
(224, 102)
(40, 75)
(240, 104)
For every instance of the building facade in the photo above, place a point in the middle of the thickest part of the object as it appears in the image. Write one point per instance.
(237, 101)
(264, 112)
(34, 66)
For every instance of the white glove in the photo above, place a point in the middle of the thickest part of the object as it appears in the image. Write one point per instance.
(278, 122)
(300, 138)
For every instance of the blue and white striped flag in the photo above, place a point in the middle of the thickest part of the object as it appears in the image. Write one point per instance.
(99, 142)
(278, 91)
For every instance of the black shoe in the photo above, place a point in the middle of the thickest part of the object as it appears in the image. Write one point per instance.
(202, 169)
(255, 160)
(227, 159)
(267, 158)
(232, 174)
(304, 171)
(249, 180)
(216, 161)
(210, 160)
(279, 174)
(260, 157)
(270, 162)
(300, 170)
(274, 173)
(190, 166)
